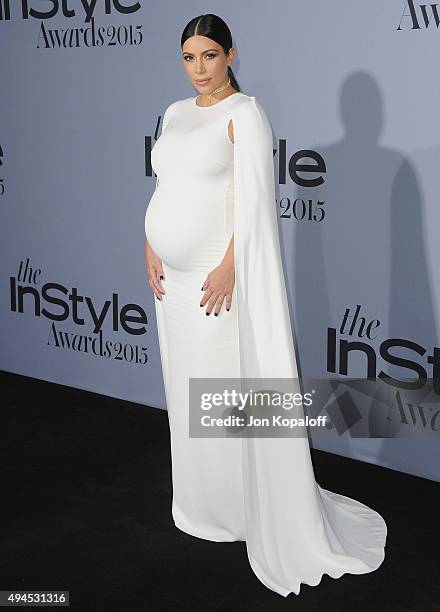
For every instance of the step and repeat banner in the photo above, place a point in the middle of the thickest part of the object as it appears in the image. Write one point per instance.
(351, 92)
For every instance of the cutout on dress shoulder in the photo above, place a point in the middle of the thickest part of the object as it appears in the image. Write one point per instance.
(227, 131)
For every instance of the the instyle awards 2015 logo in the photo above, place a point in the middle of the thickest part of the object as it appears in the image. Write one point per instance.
(378, 404)
(76, 321)
(94, 35)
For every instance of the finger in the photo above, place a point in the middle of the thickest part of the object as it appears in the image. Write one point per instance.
(156, 277)
(212, 303)
(150, 282)
(156, 293)
(207, 296)
(218, 305)
(228, 301)
(157, 289)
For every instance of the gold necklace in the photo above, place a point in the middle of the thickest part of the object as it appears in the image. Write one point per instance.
(218, 89)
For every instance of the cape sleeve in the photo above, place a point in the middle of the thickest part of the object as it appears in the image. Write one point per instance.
(265, 332)
(286, 510)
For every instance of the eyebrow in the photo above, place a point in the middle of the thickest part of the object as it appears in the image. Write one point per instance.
(206, 51)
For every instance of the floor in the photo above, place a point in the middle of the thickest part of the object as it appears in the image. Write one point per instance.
(86, 501)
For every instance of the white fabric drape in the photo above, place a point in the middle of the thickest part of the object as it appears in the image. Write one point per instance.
(295, 530)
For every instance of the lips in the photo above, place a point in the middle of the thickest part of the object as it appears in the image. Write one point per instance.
(203, 81)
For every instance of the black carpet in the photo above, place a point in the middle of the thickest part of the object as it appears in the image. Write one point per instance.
(86, 507)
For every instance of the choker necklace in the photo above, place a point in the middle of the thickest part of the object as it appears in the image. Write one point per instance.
(218, 89)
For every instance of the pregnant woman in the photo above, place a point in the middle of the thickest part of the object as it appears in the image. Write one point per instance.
(214, 265)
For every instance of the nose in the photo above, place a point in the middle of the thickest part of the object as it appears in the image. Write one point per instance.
(199, 68)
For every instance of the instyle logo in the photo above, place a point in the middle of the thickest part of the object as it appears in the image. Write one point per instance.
(59, 304)
(419, 16)
(357, 326)
(378, 405)
(301, 169)
(301, 164)
(75, 37)
(84, 8)
(293, 167)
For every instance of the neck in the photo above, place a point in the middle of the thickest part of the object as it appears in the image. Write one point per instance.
(225, 87)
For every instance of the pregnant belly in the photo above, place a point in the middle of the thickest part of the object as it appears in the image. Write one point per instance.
(186, 232)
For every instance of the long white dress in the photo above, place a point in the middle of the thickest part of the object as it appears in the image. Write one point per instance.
(259, 490)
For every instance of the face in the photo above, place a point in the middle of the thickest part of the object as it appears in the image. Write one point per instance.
(205, 63)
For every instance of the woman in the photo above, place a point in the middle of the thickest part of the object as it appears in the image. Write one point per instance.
(214, 264)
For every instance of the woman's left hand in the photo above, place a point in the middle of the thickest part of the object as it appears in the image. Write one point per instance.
(218, 285)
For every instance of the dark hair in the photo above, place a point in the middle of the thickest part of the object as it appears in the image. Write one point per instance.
(215, 28)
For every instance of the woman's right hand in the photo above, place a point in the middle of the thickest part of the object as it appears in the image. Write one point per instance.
(154, 270)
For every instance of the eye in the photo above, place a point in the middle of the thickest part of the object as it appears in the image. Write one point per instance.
(208, 55)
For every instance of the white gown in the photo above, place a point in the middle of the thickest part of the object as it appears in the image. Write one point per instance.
(259, 490)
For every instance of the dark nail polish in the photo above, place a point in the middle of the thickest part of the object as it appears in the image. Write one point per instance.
(161, 278)
(201, 305)
(216, 313)
(207, 313)
(228, 309)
